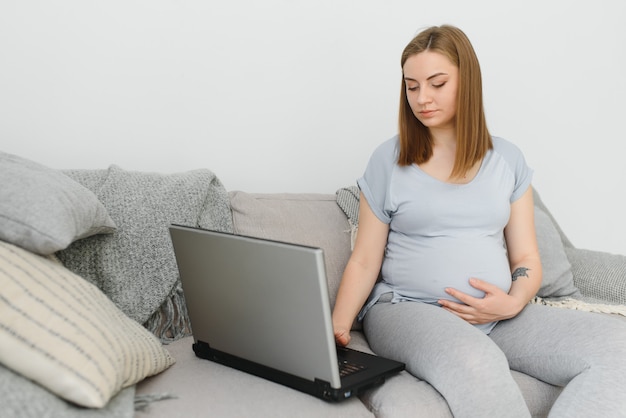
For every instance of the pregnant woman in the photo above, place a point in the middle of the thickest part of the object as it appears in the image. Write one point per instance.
(446, 222)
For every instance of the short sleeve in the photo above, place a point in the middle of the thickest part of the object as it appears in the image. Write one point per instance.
(516, 161)
(376, 181)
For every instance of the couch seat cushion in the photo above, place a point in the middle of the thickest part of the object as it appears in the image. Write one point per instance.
(203, 388)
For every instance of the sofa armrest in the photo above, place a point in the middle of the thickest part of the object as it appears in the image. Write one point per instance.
(599, 275)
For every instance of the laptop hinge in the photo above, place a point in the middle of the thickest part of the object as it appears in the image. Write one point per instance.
(326, 391)
(318, 387)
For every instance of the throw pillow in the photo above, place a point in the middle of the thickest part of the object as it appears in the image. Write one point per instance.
(65, 334)
(558, 279)
(43, 210)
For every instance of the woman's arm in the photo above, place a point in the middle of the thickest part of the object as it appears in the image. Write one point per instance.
(521, 241)
(526, 272)
(361, 271)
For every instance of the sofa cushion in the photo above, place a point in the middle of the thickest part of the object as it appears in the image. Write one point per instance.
(203, 388)
(539, 203)
(558, 280)
(63, 333)
(43, 210)
(308, 219)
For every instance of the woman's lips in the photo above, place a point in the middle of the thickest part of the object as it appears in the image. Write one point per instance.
(427, 113)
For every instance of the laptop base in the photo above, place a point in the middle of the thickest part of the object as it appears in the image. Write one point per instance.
(317, 388)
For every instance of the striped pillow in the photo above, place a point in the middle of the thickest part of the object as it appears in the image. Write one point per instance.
(62, 332)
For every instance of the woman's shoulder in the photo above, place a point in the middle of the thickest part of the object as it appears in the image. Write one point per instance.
(506, 148)
(387, 149)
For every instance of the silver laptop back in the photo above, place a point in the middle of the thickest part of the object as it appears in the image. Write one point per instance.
(263, 301)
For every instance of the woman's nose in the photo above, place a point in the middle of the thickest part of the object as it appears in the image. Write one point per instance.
(423, 97)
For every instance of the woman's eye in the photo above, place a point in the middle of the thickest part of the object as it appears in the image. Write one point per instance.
(439, 85)
(414, 88)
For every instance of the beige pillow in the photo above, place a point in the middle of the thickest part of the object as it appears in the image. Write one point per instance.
(62, 332)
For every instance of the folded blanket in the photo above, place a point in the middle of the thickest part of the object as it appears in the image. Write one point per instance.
(581, 305)
(135, 266)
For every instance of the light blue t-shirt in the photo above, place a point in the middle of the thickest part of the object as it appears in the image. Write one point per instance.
(442, 234)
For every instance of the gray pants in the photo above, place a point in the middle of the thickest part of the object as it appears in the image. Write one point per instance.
(583, 352)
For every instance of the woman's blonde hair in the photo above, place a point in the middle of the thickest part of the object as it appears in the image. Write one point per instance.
(473, 138)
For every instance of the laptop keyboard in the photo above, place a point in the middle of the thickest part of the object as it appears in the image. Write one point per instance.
(347, 368)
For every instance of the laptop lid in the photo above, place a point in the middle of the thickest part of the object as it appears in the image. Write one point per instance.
(262, 306)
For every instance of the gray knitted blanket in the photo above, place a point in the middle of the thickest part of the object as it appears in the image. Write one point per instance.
(348, 200)
(135, 266)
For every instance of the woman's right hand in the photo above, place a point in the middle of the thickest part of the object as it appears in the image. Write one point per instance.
(342, 336)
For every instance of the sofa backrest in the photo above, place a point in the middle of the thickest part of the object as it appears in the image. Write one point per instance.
(308, 219)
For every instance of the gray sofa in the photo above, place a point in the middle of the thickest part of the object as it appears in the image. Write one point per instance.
(134, 266)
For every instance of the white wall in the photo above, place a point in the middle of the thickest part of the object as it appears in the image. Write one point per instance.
(288, 95)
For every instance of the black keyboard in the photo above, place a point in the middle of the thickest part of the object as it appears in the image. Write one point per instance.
(347, 368)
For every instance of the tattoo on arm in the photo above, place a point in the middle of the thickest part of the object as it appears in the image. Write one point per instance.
(519, 272)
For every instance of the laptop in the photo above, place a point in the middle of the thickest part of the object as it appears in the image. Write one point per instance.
(262, 306)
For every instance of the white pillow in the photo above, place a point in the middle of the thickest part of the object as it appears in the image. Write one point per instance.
(62, 332)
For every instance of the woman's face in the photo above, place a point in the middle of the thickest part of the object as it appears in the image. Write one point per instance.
(431, 88)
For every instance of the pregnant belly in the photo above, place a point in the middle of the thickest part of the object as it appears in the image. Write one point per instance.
(425, 272)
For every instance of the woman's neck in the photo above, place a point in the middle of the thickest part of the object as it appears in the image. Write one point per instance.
(443, 137)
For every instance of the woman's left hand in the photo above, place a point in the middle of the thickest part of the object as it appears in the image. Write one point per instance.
(496, 305)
